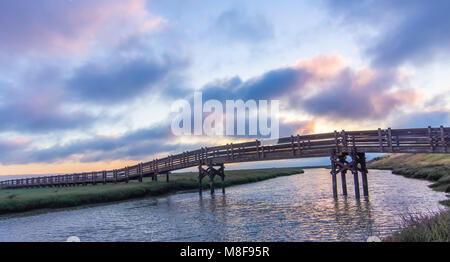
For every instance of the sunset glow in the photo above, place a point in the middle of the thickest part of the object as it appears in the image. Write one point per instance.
(87, 85)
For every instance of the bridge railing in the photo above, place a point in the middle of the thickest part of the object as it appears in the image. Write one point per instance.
(417, 140)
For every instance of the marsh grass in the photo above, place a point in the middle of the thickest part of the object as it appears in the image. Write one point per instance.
(427, 227)
(432, 167)
(431, 226)
(19, 200)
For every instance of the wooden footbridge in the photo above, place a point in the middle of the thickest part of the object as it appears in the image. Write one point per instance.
(346, 151)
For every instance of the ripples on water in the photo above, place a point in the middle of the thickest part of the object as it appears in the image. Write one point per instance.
(292, 208)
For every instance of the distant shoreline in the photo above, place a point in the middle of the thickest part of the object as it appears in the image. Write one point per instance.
(21, 200)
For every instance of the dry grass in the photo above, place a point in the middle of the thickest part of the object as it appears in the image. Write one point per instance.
(433, 167)
(431, 227)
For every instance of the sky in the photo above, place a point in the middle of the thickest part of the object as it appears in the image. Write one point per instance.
(87, 84)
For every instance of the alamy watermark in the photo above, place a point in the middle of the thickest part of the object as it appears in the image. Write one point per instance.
(235, 118)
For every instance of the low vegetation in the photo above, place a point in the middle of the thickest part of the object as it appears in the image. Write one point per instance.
(430, 227)
(19, 200)
(432, 167)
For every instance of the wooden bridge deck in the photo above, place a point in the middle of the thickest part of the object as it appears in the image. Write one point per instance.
(414, 140)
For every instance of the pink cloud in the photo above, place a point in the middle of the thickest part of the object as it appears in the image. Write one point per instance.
(321, 66)
(61, 26)
(331, 88)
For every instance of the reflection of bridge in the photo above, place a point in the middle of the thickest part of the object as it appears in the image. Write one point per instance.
(338, 146)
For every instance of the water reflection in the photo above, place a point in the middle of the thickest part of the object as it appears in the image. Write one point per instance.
(293, 208)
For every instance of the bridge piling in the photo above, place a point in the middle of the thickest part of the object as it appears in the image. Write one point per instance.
(334, 181)
(362, 158)
(127, 174)
(223, 183)
(211, 171)
(344, 183)
(334, 167)
(356, 182)
(339, 164)
(104, 177)
(140, 173)
(359, 165)
(200, 177)
(342, 159)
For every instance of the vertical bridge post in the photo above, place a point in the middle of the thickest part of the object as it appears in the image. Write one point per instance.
(140, 172)
(362, 162)
(211, 171)
(342, 159)
(339, 164)
(334, 171)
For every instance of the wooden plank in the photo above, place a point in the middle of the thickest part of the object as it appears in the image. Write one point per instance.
(390, 140)
(293, 145)
(336, 141)
(431, 139)
(443, 143)
(344, 139)
(257, 149)
(232, 151)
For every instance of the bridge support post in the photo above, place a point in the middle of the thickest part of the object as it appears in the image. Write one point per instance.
(104, 177)
(343, 176)
(365, 183)
(359, 165)
(211, 171)
(223, 181)
(167, 177)
(339, 164)
(200, 177)
(356, 182)
(333, 174)
(127, 175)
(140, 172)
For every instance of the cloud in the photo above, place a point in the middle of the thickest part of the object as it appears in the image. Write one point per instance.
(407, 30)
(358, 94)
(61, 26)
(121, 78)
(288, 128)
(45, 97)
(269, 85)
(236, 25)
(132, 145)
(422, 119)
(323, 86)
(37, 105)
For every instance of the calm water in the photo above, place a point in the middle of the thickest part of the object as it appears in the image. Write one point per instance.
(294, 208)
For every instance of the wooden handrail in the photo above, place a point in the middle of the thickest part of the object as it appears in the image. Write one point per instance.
(414, 140)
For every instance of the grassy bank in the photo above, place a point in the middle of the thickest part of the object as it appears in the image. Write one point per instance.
(432, 167)
(19, 200)
(432, 227)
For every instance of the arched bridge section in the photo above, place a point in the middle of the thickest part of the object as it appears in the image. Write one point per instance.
(346, 150)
